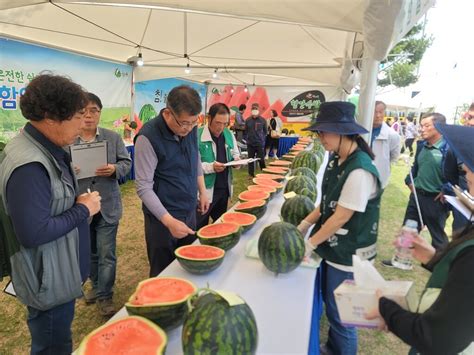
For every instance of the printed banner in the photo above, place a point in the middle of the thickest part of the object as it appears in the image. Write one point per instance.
(21, 62)
(150, 96)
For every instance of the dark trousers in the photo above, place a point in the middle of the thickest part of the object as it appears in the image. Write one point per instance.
(434, 213)
(256, 151)
(409, 145)
(51, 330)
(160, 244)
(220, 200)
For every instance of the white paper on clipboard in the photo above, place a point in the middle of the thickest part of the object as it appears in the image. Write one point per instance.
(9, 290)
(88, 157)
(241, 162)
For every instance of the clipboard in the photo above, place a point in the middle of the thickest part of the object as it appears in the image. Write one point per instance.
(9, 290)
(88, 157)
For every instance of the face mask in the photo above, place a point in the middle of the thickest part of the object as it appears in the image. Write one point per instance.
(255, 112)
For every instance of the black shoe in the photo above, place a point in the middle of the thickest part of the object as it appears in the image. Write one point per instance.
(387, 263)
(90, 297)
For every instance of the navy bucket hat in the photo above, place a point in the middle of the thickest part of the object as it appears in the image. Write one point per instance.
(337, 117)
(461, 140)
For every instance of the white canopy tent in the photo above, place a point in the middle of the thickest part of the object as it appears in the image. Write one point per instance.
(265, 42)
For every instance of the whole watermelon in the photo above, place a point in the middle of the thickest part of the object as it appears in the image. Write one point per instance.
(305, 172)
(147, 112)
(295, 209)
(302, 185)
(281, 247)
(307, 159)
(215, 327)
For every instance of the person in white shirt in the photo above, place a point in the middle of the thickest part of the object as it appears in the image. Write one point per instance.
(385, 143)
(275, 125)
(411, 132)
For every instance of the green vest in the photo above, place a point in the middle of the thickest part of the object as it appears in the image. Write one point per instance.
(208, 156)
(362, 228)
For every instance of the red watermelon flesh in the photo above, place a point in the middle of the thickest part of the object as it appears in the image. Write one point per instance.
(253, 195)
(268, 189)
(270, 176)
(218, 230)
(200, 252)
(240, 218)
(240, 97)
(277, 106)
(280, 163)
(258, 96)
(276, 170)
(268, 182)
(129, 335)
(162, 290)
(249, 204)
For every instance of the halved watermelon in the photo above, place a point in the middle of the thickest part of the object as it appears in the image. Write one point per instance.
(269, 189)
(254, 195)
(297, 149)
(244, 220)
(129, 335)
(275, 177)
(221, 235)
(199, 259)
(280, 163)
(288, 157)
(276, 170)
(161, 300)
(256, 207)
(268, 182)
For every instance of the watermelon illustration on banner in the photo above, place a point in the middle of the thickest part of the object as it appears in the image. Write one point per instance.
(240, 96)
(214, 97)
(259, 96)
(277, 106)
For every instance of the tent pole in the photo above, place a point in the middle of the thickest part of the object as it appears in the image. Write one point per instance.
(368, 86)
(132, 96)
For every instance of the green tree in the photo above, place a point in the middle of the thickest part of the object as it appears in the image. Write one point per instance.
(403, 60)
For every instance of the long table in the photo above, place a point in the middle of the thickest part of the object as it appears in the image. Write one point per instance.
(287, 307)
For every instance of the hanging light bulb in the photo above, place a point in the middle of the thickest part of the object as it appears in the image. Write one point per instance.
(140, 60)
(232, 89)
(214, 75)
(187, 70)
(246, 89)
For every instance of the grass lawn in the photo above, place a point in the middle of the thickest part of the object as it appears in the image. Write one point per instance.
(133, 267)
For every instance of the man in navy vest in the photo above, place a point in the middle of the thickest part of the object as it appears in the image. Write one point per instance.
(169, 176)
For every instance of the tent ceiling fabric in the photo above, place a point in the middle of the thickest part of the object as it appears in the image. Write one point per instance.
(248, 41)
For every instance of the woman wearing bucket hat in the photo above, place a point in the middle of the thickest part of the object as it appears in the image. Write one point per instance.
(444, 320)
(347, 218)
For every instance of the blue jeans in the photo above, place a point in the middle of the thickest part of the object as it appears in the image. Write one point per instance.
(51, 330)
(341, 339)
(103, 259)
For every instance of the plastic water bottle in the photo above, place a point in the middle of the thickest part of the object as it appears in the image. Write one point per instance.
(403, 258)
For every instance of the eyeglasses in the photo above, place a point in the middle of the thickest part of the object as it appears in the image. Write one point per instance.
(92, 111)
(183, 124)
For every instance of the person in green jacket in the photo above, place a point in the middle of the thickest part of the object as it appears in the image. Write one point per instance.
(346, 221)
(217, 146)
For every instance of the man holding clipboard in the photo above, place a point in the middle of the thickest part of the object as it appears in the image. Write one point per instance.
(100, 160)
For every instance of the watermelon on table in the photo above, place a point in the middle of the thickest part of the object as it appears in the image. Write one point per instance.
(215, 327)
(129, 335)
(221, 235)
(250, 195)
(269, 189)
(199, 259)
(161, 300)
(256, 207)
(307, 159)
(295, 209)
(302, 185)
(297, 149)
(288, 157)
(280, 163)
(275, 177)
(276, 170)
(281, 247)
(269, 183)
(306, 172)
(244, 220)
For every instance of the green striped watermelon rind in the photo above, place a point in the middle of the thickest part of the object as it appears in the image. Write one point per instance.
(281, 247)
(167, 315)
(268, 182)
(295, 209)
(302, 185)
(307, 159)
(225, 241)
(199, 266)
(271, 176)
(306, 172)
(278, 171)
(258, 210)
(214, 327)
(82, 350)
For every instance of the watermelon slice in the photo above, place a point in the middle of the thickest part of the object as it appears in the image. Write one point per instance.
(129, 335)
(199, 259)
(275, 177)
(280, 163)
(278, 105)
(245, 220)
(221, 235)
(240, 97)
(258, 96)
(253, 195)
(269, 189)
(276, 170)
(268, 182)
(288, 157)
(255, 207)
(161, 300)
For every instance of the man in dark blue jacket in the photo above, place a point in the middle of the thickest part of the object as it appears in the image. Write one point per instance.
(256, 132)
